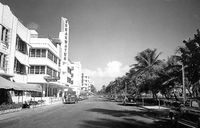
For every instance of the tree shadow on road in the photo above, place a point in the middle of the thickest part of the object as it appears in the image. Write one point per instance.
(154, 114)
(138, 118)
(127, 123)
(128, 104)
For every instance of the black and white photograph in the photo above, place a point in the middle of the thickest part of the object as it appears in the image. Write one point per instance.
(99, 63)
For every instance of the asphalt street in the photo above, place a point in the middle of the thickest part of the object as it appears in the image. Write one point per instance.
(94, 112)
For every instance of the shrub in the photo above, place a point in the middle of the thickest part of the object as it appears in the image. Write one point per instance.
(33, 103)
(10, 106)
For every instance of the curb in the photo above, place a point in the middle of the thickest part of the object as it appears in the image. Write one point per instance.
(20, 109)
(10, 111)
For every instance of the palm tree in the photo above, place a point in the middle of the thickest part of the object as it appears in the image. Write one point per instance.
(147, 64)
(170, 75)
(189, 54)
(147, 60)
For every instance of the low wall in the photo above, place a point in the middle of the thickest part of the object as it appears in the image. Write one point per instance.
(47, 100)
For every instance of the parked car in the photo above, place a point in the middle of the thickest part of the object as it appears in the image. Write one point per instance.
(192, 105)
(70, 97)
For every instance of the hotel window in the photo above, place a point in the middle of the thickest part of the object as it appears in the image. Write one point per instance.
(42, 70)
(54, 73)
(59, 63)
(59, 75)
(37, 52)
(43, 52)
(21, 45)
(4, 35)
(32, 53)
(55, 59)
(37, 69)
(49, 71)
(68, 80)
(3, 62)
(50, 55)
(31, 70)
(19, 68)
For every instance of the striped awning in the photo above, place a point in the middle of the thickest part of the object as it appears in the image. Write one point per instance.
(29, 87)
(6, 84)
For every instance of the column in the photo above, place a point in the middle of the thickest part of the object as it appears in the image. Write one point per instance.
(4, 35)
(1, 60)
(0, 31)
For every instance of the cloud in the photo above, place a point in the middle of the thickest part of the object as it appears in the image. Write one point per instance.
(112, 69)
(33, 25)
(102, 76)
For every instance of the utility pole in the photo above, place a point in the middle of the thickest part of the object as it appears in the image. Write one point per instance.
(184, 89)
(125, 88)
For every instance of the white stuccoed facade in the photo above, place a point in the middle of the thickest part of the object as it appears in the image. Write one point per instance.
(15, 59)
(76, 86)
(17, 37)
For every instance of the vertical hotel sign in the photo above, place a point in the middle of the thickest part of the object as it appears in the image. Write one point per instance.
(66, 38)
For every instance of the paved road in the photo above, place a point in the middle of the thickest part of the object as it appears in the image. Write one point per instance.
(92, 113)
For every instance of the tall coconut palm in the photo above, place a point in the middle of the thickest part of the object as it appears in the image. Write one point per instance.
(147, 61)
(169, 75)
(189, 54)
(146, 66)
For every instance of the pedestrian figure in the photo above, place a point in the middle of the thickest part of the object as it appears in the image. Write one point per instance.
(171, 115)
(175, 124)
(198, 123)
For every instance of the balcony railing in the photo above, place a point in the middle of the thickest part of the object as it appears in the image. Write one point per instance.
(4, 46)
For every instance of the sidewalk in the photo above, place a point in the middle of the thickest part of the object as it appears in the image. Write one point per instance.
(38, 108)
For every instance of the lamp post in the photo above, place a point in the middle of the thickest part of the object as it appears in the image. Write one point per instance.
(183, 79)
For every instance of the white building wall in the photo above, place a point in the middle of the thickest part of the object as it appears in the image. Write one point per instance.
(8, 20)
(43, 43)
(76, 77)
(85, 82)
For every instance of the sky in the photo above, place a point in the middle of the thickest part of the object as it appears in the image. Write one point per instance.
(106, 35)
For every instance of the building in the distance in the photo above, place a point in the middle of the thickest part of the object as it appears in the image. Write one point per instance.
(91, 83)
(85, 82)
(76, 77)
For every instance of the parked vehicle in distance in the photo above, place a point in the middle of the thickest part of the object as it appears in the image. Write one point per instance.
(192, 106)
(70, 97)
(82, 97)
